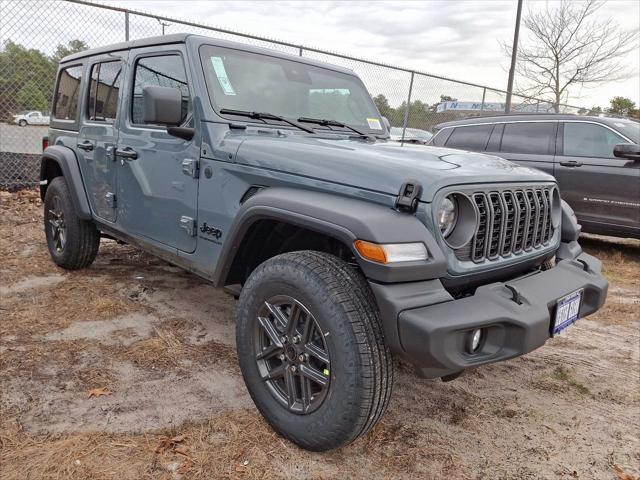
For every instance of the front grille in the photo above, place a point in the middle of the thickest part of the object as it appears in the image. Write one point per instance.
(510, 221)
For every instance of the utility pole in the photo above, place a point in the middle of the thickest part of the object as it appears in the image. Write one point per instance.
(514, 54)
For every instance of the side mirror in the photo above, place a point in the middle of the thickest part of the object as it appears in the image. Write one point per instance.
(162, 105)
(630, 151)
(386, 122)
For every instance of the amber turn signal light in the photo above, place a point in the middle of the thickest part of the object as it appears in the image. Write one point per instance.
(391, 252)
(371, 251)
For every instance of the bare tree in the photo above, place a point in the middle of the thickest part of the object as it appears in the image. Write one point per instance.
(569, 47)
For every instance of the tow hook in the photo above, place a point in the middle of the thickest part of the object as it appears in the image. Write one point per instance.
(515, 294)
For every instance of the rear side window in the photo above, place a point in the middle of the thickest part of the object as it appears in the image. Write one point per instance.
(67, 93)
(106, 78)
(534, 137)
(589, 140)
(162, 71)
(474, 137)
(440, 138)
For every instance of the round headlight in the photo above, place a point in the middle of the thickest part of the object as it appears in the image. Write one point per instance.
(447, 215)
(457, 219)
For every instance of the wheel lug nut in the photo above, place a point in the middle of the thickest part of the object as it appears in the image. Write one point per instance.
(283, 339)
(296, 339)
(302, 358)
(293, 368)
(281, 356)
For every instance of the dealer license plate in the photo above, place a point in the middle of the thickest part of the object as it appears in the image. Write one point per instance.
(567, 311)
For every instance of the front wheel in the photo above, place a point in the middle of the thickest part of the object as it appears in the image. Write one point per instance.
(22, 123)
(311, 349)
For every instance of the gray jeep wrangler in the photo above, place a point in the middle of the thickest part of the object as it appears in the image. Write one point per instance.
(273, 176)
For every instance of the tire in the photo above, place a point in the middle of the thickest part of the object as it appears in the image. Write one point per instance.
(22, 123)
(321, 290)
(73, 243)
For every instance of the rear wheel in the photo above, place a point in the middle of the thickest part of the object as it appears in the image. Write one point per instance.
(22, 123)
(73, 243)
(311, 349)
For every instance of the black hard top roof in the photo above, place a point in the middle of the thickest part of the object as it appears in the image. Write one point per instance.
(182, 38)
(143, 42)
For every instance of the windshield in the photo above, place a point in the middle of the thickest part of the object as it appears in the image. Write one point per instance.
(629, 129)
(239, 80)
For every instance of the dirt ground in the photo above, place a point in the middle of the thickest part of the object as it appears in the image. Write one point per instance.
(155, 346)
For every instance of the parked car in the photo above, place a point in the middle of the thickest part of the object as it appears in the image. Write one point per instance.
(272, 176)
(32, 117)
(411, 135)
(596, 160)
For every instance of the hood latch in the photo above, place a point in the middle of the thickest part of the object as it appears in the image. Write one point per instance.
(407, 200)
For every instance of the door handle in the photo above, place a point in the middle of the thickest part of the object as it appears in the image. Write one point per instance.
(571, 163)
(127, 153)
(87, 146)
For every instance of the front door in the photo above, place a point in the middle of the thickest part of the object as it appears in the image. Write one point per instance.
(156, 198)
(98, 133)
(601, 188)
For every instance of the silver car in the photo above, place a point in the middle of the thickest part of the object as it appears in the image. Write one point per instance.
(411, 135)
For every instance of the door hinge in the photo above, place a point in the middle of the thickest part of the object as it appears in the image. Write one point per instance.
(191, 167)
(188, 224)
(111, 199)
(407, 200)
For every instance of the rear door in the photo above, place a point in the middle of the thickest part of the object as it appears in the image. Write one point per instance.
(601, 188)
(531, 144)
(98, 133)
(157, 199)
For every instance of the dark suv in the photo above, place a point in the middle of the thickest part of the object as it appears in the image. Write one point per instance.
(596, 160)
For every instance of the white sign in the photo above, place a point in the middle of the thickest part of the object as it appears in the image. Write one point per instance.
(492, 107)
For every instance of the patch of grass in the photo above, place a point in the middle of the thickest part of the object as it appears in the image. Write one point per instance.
(564, 375)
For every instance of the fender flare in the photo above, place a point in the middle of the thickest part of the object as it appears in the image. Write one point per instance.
(68, 163)
(570, 228)
(346, 220)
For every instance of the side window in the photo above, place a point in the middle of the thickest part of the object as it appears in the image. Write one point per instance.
(533, 137)
(106, 78)
(474, 137)
(589, 140)
(67, 93)
(163, 71)
(440, 137)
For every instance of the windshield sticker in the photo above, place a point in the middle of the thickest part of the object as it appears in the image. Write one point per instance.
(221, 73)
(374, 124)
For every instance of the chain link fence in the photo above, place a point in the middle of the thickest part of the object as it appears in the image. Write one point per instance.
(35, 34)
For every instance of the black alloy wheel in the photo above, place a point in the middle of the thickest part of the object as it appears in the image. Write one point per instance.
(55, 219)
(291, 354)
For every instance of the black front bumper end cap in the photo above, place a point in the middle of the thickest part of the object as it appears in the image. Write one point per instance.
(434, 338)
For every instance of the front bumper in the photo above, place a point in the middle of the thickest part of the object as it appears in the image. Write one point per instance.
(434, 337)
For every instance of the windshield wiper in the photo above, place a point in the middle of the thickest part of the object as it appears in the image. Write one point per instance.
(334, 123)
(264, 116)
